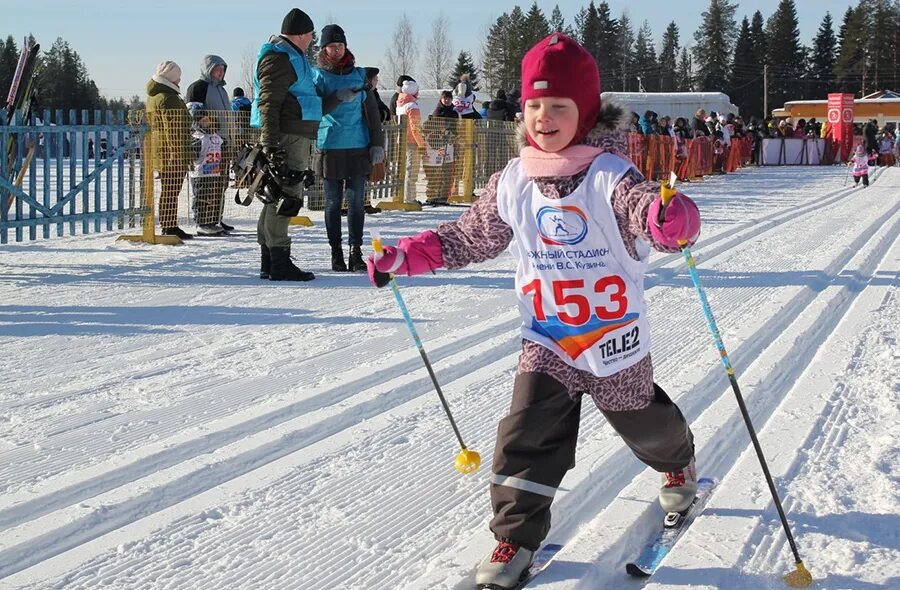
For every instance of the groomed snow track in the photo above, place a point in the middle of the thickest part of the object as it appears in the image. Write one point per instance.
(184, 426)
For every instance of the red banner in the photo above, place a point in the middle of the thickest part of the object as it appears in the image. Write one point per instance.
(840, 120)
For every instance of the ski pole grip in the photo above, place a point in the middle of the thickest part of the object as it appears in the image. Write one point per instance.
(667, 193)
(376, 241)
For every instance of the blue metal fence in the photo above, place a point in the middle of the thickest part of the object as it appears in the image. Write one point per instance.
(81, 172)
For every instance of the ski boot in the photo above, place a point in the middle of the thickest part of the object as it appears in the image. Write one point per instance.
(679, 488)
(506, 568)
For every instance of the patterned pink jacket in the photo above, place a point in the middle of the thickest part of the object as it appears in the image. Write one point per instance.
(480, 234)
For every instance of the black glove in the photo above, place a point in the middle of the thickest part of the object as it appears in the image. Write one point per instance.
(376, 277)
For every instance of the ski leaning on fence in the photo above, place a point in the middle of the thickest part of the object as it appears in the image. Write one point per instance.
(21, 90)
(673, 527)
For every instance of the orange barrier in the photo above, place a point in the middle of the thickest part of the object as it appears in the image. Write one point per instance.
(660, 157)
(733, 157)
(656, 156)
(637, 151)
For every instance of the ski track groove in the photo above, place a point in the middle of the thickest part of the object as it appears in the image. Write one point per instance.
(795, 308)
(766, 544)
(162, 422)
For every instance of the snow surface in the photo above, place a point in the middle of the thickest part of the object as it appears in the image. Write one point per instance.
(168, 421)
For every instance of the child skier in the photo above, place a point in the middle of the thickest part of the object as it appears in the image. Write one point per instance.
(860, 164)
(580, 221)
(206, 175)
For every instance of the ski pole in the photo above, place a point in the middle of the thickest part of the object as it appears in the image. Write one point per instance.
(468, 460)
(799, 578)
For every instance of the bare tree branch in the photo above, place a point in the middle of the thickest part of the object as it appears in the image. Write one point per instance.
(248, 65)
(438, 52)
(401, 55)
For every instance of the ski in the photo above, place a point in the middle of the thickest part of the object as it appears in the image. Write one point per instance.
(10, 104)
(674, 526)
(20, 98)
(539, 563)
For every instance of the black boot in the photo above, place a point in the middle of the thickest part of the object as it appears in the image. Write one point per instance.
(356, 262)
(283, 269)
(265, 263)
(337, 258)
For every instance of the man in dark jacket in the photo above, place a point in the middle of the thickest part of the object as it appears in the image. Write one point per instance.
(501, 109)
(288, 111)
(870, 135)
(384, 112)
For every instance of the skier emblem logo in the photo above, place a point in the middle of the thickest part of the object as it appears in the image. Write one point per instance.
(565, 225)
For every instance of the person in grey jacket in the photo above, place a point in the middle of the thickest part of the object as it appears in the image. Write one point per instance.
(209, 91)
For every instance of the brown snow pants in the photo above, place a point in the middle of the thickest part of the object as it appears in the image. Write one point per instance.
(536, 446)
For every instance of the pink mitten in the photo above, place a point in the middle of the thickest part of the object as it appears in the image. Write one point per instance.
(411, 256)
(682, 221)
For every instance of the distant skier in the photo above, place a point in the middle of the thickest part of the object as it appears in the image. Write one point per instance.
(860, 164)
(585, 328)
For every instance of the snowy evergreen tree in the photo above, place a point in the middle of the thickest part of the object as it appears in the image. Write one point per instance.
(558, 23)
(822, 60)
(535, 27)
(684, 79)
(609, 57)
(64, 80)
(882, 23)
(668, 59)
(626, 54)
(746, 79)
(850, 62)
(9, 59)
(464, 65)
(785, 55)
(497, 64)
(646, 68)
(587, 25)
(715, 40)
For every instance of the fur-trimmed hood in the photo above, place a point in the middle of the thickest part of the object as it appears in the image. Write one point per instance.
(608, 133)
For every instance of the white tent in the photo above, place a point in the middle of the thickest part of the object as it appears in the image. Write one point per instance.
(674, 104)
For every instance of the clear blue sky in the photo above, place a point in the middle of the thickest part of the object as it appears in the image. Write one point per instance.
(121, 42)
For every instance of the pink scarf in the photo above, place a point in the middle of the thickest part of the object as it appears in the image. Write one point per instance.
(567, 162)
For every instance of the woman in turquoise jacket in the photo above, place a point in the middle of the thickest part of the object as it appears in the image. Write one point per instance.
(350, 141)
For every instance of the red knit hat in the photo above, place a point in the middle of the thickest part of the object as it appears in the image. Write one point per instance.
(558, 66)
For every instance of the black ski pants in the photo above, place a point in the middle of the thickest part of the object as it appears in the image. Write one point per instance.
(536, 446)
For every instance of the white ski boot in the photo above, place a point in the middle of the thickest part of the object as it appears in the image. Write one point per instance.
(506, 568)
(678, 489)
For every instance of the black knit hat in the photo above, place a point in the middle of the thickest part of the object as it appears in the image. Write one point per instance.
(296, 22)
(332, 34)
